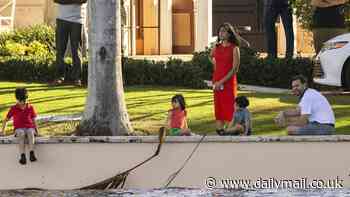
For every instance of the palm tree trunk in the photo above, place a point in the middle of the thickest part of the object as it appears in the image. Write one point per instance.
(105, 110)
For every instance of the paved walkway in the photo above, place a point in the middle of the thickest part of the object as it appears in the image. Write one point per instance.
(184, 57)
(59, 118)
(263, 89)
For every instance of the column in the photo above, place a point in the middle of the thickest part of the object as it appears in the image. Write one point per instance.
(203, 23)
(166, 23)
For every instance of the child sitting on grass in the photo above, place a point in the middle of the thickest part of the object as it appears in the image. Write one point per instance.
(176, 121)
(241, 124)
(24, 124)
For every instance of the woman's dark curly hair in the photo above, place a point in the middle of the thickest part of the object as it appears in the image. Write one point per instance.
(179, 99)
(233, 35)
(21, 94)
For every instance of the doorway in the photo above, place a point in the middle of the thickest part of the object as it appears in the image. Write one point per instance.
(183, 26)
(147, 27)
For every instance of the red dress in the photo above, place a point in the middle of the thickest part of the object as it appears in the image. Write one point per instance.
(224, 99)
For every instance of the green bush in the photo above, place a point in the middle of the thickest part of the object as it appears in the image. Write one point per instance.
(29, 55)
(34, 36)
(27, 68)
(35, 48)
(11, 48)
(304, 11)
(274, 72)
(174, 72)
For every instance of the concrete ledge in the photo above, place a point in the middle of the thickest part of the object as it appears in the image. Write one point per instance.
(74, 162)
(178, 139)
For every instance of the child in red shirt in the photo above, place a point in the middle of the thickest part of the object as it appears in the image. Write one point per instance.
(24, 124)
(176, 121)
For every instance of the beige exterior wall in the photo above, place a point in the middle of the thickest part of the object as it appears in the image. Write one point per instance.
(31, 12)
(73, 164)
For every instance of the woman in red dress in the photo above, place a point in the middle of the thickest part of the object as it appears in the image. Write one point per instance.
(225, 57)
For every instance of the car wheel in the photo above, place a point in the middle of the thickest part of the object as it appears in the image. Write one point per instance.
(346, 76)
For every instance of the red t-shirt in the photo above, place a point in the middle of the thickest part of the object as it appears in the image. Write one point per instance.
(177, 118)
(22, 118)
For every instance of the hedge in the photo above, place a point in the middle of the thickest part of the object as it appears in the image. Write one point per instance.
(174, 72)
(36, 35)
(29, 55)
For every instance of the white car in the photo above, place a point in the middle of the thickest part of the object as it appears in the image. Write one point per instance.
(332, 64)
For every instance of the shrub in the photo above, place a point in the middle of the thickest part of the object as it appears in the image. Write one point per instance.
(303, 11)
(28, 55)
(174, 72)
(11, 48)
(36, 48)
(274, 72)
(30, 68)
(43, 34)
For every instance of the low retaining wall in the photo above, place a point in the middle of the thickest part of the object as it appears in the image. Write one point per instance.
(74, 162)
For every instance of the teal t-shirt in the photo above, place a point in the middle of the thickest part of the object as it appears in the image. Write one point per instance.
(243, 117)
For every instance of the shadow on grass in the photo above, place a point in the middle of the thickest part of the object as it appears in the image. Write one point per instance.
(58, 128)
(146, 102)
(146, 116)
(54, 111)
(343, 130)
(148, 97)
(332, 99)
(145, 88)
(50, 98)
(46, 88)
(27, 85)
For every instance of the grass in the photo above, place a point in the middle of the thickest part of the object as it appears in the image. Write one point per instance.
(148, 106)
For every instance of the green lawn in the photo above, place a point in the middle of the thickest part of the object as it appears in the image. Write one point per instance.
(147, 107)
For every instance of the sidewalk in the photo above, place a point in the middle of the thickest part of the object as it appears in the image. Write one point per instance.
(184, 57)
(262, 89)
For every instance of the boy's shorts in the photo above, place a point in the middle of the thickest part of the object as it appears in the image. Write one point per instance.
(174, 131)
(20, 131)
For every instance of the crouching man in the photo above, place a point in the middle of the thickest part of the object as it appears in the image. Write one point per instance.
(312, 116)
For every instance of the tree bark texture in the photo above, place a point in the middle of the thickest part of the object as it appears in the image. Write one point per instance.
(105, 109)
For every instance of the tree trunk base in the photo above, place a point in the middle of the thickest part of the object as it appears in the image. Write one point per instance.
(92, 128)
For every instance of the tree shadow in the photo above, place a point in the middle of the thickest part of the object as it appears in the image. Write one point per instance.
(148, 115)
(343, 130)
(15, 86)
(147, 97)
(47, 88)
(39, 100)
(52, 98)
(144, 102)
(53, 111)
